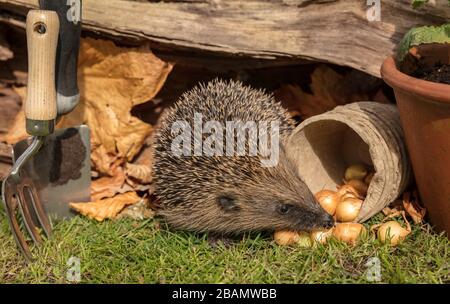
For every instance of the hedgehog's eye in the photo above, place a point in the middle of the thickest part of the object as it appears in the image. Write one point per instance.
(284, 208)
(227, 203)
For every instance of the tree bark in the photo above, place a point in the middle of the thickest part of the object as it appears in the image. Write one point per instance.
(335, 31)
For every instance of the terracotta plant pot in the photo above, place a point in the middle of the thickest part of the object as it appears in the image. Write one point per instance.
(424, 109)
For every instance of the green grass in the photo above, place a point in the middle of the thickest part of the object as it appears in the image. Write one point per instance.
(127, 251)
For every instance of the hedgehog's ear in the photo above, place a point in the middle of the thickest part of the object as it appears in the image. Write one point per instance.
(227, 202)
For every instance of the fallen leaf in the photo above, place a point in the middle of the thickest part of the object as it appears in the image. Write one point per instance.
(107, 208)
(5, 152)
(16, 134)
(412, 207)
(5, 159)
(112, 80)
(21, 77)
(393, 208)
(4, 169)
(5, 51)
(104, 160)
(16, 131)
(136, 187)
(329, 89)
(386, 211)
(141, 173)
(145, 156)
(108, 186)
(11, 105)
(409, 204)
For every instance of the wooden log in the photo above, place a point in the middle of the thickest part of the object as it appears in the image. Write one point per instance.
(336, 31)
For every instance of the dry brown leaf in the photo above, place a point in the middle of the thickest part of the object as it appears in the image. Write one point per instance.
(329, 89)
(104, 160)
(141, 173)
(106, 208)
(145, 156)
(409, 204)
(386, 211)
(5, 51)
(412, 207)
(16, 131)
(393, 208)
(127, 187)
(5, 159)
(107, 186)
(21, 77)
(11, 105)
(112, 80)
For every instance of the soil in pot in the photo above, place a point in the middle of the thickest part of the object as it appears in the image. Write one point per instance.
(438, 73)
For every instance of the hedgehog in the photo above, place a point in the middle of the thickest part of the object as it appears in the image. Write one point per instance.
(230, 193)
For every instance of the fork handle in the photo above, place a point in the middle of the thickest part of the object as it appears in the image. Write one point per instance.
(69, 12)
(42, 29)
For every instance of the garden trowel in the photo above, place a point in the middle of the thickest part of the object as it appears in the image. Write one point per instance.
(52, 168)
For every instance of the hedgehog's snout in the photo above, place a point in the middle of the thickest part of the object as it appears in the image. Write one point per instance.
(328, 221)
(317, 219)
(315, 216)
(323, 218)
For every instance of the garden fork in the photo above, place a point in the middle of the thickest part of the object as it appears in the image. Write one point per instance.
(38, 185)
(18, 189)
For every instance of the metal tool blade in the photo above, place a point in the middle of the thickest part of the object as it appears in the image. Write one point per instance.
(60, 171)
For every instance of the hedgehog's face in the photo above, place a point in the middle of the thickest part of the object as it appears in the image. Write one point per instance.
(270, 199)
(267, 210)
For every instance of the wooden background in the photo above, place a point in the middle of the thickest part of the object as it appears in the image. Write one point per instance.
(263, 32)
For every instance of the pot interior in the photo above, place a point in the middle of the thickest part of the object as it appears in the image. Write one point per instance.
(334, 146)
(425, 56)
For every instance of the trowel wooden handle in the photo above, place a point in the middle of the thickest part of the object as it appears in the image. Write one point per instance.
(42, 39)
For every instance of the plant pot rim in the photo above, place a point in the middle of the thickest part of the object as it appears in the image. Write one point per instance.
(438, 92)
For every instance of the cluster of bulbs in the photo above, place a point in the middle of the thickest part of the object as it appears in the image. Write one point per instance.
(345, 205)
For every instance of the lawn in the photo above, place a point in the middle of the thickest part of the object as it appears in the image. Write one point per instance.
(128, 251)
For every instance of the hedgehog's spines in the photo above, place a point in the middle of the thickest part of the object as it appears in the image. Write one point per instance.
(188, 186)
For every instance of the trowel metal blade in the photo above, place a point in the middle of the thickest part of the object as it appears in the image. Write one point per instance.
(60, 170)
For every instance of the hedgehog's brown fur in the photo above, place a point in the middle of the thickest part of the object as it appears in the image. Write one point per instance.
(231, 194)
